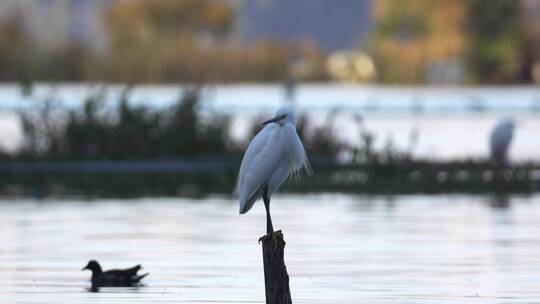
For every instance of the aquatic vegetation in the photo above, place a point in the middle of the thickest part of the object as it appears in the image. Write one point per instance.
(131, 150)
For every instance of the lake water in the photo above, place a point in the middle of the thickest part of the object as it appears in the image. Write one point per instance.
(340, 249)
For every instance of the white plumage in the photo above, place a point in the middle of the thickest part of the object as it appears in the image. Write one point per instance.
(273, 155)
(500, 140)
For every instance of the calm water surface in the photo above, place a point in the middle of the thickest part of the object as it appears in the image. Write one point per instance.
(340, 249)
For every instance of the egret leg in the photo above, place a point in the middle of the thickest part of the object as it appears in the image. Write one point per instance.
(266, 199)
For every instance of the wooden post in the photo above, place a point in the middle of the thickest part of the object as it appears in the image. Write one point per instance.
(276, 279)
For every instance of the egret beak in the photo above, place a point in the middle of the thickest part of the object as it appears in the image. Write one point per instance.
(275, 119)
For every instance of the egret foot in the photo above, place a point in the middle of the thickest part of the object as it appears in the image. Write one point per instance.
(274, 235)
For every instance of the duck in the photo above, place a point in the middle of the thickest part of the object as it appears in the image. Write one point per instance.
(114, 277)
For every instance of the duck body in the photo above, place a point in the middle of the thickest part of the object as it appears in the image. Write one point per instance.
(114, 277)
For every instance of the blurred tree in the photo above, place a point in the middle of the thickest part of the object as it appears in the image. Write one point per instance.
(188, 41)
(496, 40)
(70, 62)
(155, 41)
(23, 61)
(161, 39)
(531, 48)
(410, 35)
(15, 56)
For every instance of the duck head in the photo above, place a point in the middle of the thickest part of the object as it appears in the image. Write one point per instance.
(93, 266)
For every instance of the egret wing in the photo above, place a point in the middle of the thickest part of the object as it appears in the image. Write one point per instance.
(258, 171)
(295, 150)
(255, 147)
(500, 138)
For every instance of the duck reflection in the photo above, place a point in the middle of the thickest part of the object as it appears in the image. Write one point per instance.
(499, 201)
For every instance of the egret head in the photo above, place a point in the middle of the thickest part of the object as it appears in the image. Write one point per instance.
(283, 115)
(508, 122)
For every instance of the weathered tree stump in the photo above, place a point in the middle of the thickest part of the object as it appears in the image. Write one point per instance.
(276, 279)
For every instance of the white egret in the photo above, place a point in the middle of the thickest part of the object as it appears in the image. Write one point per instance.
(500, 140)
(273, 155)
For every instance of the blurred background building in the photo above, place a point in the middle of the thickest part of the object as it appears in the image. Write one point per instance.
(52, 24)
(331, 25)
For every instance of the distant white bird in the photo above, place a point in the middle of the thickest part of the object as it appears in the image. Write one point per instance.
(500, 140)
(273, 155)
